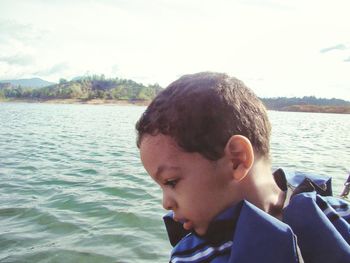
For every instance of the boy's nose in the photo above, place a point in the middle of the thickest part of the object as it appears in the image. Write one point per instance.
(168, 202)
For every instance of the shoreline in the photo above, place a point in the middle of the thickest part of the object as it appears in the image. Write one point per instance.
(317, 109)
(80, 101)
(293, 108)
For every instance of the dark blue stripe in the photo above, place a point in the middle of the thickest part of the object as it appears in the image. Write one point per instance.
(211, 256)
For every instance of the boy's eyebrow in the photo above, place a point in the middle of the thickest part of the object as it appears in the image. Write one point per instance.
(163, 168)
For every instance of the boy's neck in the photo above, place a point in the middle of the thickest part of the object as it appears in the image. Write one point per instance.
(262, 190)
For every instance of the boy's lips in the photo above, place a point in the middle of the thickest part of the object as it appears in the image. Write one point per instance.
(187, 224)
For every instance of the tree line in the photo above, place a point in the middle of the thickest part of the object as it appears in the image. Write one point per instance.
(283, 102)
(84, 88)
(98, 87)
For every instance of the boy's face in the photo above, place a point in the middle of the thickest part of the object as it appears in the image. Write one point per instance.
(195, 188)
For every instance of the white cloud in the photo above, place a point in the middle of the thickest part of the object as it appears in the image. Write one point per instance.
(336, 47)
(273, 46)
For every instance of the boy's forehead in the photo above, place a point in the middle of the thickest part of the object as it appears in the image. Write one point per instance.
(159, 146)
(159, 141)
(159, 152)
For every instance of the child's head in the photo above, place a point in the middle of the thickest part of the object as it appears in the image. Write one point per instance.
(202, 111)
(198, 139)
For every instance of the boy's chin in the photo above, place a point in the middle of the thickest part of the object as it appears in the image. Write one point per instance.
(200, 230)
(189, 226)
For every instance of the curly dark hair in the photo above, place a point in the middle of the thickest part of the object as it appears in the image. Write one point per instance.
(202, 111)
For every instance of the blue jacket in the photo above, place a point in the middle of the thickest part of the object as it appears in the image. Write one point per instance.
(320, 221)
(244, 233)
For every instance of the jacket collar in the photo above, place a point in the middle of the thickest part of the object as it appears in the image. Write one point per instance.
(300, 183)
(220, 229)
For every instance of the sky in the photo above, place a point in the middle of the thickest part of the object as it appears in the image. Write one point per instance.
(278, 48)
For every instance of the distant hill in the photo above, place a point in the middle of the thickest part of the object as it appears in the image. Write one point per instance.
(84, 88)
(280, 102)
(307, 104)
(28, 83)
(88, 88)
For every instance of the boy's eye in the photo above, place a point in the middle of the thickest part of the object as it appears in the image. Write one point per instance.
(172, 182)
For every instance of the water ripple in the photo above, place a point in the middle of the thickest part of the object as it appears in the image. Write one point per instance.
(73, 189)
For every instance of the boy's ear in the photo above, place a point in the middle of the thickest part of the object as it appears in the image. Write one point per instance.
(240, 153)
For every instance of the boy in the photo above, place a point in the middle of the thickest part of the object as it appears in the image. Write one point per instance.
(205, 141)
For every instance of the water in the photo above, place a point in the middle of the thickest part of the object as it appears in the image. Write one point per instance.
(313, 142)
(72, 187)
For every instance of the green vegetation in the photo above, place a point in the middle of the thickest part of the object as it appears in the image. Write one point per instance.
(307, 104)
(85, 88)
(281, 102)
(89, 88)
(315, 108)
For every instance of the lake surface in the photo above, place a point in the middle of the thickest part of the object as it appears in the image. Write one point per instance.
(72, 188)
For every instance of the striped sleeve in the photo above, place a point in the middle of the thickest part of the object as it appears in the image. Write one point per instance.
(204, 253)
